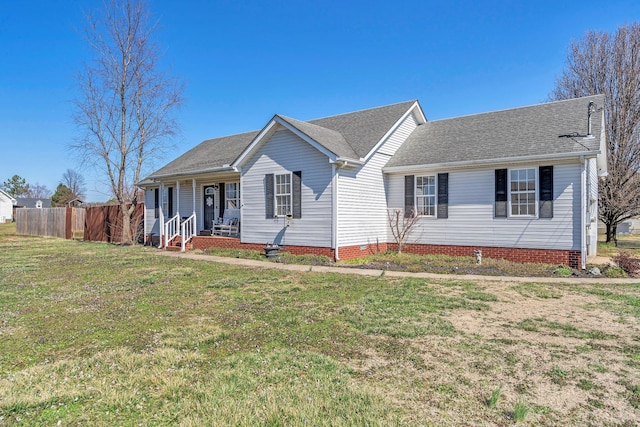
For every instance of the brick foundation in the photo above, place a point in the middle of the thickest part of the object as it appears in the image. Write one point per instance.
(206, 242)
(547, 256)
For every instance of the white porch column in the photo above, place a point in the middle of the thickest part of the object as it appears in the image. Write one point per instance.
(178, 198)
(193, 189)
(161, 215)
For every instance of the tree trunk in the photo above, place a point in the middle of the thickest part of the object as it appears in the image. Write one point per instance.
(609, 232)
(126, 224)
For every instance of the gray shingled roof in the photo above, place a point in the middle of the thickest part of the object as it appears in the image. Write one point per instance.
(329, 139)
(519, 132)
(364, 129)
(210, 154)
(350, 135)
(31, 202)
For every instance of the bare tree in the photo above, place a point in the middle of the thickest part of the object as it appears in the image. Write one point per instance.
(401, 225)
(38, 191)
(75, 183)
(610, 64)
(127, 102)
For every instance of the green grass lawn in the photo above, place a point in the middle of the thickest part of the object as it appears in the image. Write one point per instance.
(626, 242)
(97, 334)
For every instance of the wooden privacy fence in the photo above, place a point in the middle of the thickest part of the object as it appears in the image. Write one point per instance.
(104, 223)
(65, 223)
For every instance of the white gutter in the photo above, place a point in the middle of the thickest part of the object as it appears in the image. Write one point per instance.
(583, 214)
(225, 168)
(468, 163)
(345, 161)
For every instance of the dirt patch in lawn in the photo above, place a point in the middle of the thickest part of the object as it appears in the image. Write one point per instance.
(568, 356)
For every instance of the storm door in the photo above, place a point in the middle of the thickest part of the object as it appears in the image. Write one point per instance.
(209, 206)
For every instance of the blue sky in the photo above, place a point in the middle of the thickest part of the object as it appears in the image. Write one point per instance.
(243, 61)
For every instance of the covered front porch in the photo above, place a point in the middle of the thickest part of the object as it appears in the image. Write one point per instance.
(179, 209)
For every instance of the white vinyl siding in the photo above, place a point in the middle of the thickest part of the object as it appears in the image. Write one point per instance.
(471, 221)
(152, 222)
(184, 200)
(284, 153)
(362, 199)
(6, 208)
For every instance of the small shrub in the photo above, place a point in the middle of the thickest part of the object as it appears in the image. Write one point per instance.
(495, 396)
(628, 262)
(563, 271)
(614, 272)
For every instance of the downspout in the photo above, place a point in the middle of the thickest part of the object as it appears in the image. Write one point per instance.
(240, 227)
(583, 214)
(334, 213)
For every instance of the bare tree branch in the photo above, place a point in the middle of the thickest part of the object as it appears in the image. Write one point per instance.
(610, 64)
(127, 102)
(401, 225)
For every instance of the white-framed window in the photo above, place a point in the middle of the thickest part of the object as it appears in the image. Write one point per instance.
(282, 194)
(232, 195)
(167, 202)
(426, 195)
(522, 192)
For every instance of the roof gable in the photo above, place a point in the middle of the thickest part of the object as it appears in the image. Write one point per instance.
(553, 128)
(349, 136)
(364, 129)
(8, 196)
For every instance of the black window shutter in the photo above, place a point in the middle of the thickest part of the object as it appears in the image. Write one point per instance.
(501, 193)
(297, 194)
(443, 195)
(156, 202)
(409, 192)
(170, 201)
(268, 195)
(546, 191)
(223, 195)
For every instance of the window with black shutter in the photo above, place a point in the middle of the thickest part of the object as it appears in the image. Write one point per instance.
(268, 196)
(409, 195)
(443, 195)
(546, 191)
(501, 194)
(156, 202)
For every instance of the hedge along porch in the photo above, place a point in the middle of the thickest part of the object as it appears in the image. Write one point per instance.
(518, 184)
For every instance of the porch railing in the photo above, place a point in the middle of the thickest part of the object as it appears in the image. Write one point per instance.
(171, 229)
(187, 230)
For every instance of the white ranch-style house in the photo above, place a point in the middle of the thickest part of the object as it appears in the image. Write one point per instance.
(519, 184)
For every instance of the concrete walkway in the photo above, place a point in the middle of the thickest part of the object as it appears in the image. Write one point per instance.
(389, 273)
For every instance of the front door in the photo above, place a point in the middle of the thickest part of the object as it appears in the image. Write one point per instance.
(208, 200)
